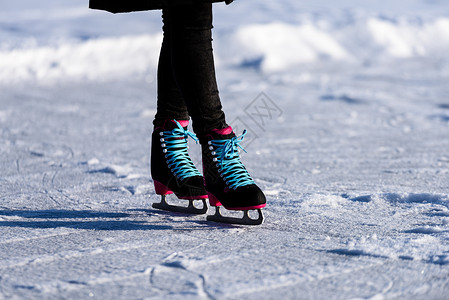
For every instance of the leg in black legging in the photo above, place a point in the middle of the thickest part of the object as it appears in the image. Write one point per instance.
(170, 103)
(190, 84)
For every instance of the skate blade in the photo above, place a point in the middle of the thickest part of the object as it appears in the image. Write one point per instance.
(190, 209)
(246, 220)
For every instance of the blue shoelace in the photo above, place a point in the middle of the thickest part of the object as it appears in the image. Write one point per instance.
(175, 147)
(228, 161)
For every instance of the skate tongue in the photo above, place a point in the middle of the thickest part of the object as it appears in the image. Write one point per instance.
(184, 123)
(171, 124)
(224, 133)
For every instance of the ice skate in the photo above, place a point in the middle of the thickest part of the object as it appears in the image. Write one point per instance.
(172, 169)
(228, 183)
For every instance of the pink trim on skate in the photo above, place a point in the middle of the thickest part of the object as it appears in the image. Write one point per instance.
(199, 197)
(247, 207)
(215, 202)
(224, 131)
(161, 189)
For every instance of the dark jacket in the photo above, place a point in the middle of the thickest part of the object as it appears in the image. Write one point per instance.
(120, 6)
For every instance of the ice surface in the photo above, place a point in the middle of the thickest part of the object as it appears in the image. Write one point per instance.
(349, 141)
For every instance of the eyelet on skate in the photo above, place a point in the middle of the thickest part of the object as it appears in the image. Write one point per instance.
(162, 139)
(209, 142)
(215, 159)
(164, 151)
(213, 153)
(211, 148)
(163, 145)
(161, 133)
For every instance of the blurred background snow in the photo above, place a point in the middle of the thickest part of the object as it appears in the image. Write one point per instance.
(51, 40)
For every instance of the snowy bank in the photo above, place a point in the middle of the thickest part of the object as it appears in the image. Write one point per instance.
(98, 59)
(272, 47)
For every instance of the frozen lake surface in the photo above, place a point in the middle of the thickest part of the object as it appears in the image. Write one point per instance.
(348, 115)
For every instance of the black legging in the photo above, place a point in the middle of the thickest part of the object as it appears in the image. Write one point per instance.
(186, 71)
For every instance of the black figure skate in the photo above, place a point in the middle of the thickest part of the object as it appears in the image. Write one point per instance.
(228, 183)
(172, 169)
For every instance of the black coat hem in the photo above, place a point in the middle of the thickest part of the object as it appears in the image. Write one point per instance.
(121, 6)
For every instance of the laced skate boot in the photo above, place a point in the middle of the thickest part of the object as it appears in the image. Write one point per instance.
(172, 169)
(227, 180)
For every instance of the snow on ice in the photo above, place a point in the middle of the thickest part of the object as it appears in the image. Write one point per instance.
(352, 154)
